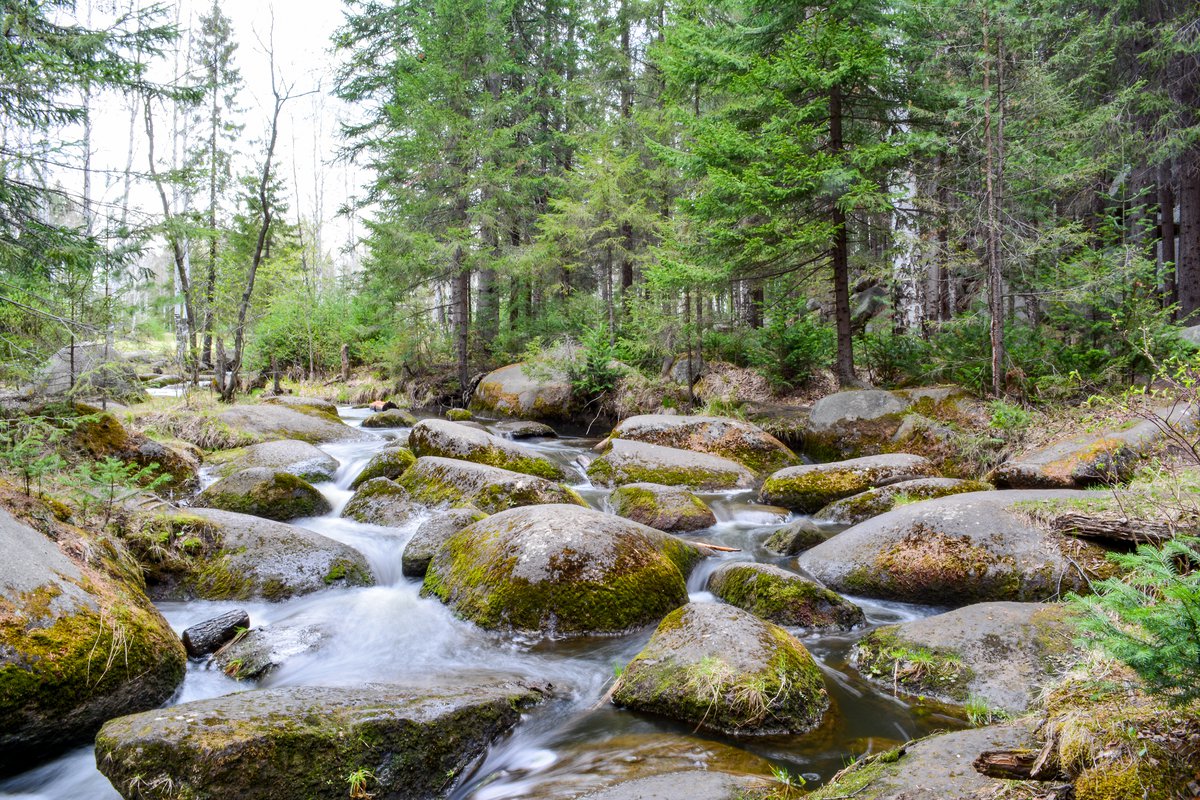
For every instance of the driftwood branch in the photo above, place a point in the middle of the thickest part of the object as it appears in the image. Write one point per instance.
(1021, 764)
(1090, 526)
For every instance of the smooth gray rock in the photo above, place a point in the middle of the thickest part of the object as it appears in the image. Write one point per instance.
(795, 537)
(261, 651)
(523, 429)
(733, 439)
(785, 598)
(668, 508)
(390, 418)
(525, 392)
(811, 487)
(390, 462)
(700, 784)
(279, 422)
(303, 741)
(381, 501)
(957, 550)
(638, 462)
(873, 502)
(208, 636)
(432, 534)
(434, 481)
(308, 405)
(293, 456)
(89, 369)
(439, 437)
(265, 492)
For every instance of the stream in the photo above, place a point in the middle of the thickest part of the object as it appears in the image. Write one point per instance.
(389, 633)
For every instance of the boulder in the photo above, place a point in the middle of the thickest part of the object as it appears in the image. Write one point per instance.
(265, 422)
(435, 481)
(783, 597)
(811, 487)
(260, 651)
(733, 439)
(560, 570)
(1092, 458)
(966, 548)
(208, 636)
(755, 513)
(933, 767)
(717, 667)
(263, 492)
(865, 422)
(873, 502)
(523, 429)
(88, 370)
(459, 414)
(1000, 654)
(390, 462)
(638, 462)
(412, 741)
(391, 418)
(436, 437)
(432, 534)
(381, 405)
(292, 456)
(79, 641)
(525, 392)
(795, 537)
(307, 405)
(99, 435)
(668, 508)
(239, 557)
(381, 501)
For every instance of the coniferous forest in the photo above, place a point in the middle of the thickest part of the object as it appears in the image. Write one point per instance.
(620, 399)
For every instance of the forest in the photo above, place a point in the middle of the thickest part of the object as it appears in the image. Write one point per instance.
(731, 400)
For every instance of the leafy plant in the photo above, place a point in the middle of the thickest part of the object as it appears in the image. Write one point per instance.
(1150, 618)
(26, 449)
(980, 712)
(107, 482)
(1008, 417)
(357, 781)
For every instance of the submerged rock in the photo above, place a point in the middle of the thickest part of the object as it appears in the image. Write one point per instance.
(873, 502)
(966, 548)
(432, 534)
(733, 439)
(436, 437)
(783, 597)
(560, 570)
(720, 668)
(263, 492)
(638, 462)
(809, 488)
(795, 537)
(260, 651)
(523, 429)
(997, 653)
(79, 641)
(413, 741)
(667, 508)
(525, 392)
(267, 422)
(390, 462)
(391, 418)
(292, 456)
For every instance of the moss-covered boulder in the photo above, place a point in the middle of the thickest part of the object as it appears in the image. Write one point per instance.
(733, 439)
(783, 597)
(721, 668)
(436, 481)
(638, 462)
(264, 422)
(307, 405)
(523, 429)
(302, 742)
(222, 555)
(966, 548)
(98, 435)
(263, 492)
(525, 392)
(391, 418)
(390, 462)
(795, 537)
(437, 437)
(1088, 459)
(668, 508)
(811, 487)
(873, 502)
(433, 533)
(381, 501)
(998, 654)
(459, 414)
(562, 571)
(79, 641)
(866, 422)
(305, 461)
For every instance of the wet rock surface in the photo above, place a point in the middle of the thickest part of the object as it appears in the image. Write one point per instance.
(435, 437)
(795, 537)
(667, 508)
(432, 534)
(638, 462)
(783, 597)
(733, 439)
(265, 492)
(292, 456)
(811, 487)
(390, 462)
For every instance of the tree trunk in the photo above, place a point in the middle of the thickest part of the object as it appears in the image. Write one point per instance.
(1166, 211)
(460, 309)
(345, 362)
(840, 257)
(1187, 271)
(991, 169)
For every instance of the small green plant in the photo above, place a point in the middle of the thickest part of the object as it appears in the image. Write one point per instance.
(980, 712)
(102, 484)
(1149, 619)
(1009, 417)
(787, 781)
(358, 780)
(26, 448)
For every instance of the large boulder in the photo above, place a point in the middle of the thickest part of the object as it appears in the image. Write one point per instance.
(668, 508)
(438, 437)
(523, 429)
(795, 537)
(223, 555)
(864, 422)
(79, 641)
(307, 405)
(720, 668)
(967, 548)
(1088, 459)
(390, 462)
(638, 462)
(525, 391)
(728, 438)
(783, 597)
(88, 370)
(263, 492)
(873, 502)
(265, 422)
(381, 501)
(811, 487)
(390, 418)
(560, 570)
(99, 435)
(433, 533)
(303, 741)
(1000, 654)
(295, 457)
(435, 481)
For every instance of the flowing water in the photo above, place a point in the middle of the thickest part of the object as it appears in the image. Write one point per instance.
(389, 633)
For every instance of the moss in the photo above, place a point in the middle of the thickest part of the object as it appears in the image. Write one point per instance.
(917, 670)
(218, 580)
(436, 484)
(349, 571)
(389, 463)
(810, 490)
(854, 779)
(786, 601)
(668, 512)
(459, 415)
(1123, 780)
(281, 497)
(929, 566)
(602, 471)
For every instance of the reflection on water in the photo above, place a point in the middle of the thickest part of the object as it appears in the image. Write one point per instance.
(388, 632)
